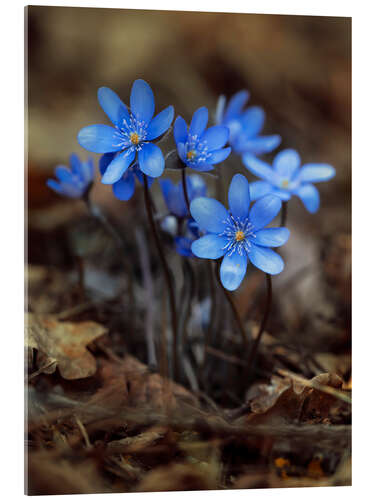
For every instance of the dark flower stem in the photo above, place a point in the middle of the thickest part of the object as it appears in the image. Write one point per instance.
(184, 185)
(230, 300)
(284, 213)
(167, 273)
(262, 327)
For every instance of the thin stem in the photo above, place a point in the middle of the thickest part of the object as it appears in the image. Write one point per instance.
(284, 213)
(184, 185)
(148, 285)
(236, 314)
(262, 327)
(167, 274)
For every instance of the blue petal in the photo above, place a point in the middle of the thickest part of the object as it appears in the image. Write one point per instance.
(199, 122)
(233, 270)
(160, 123)
(104, 161)
(259, 168)
(87, 170)
(272, 237)
(210, 214)
(266, 259)
(239, 196)
(139, 176)
(286, 163)
(64, 174)
(64, 189)
(180, 130)
(215, 137)
(309, 196)
(253, 120)
(261, 144)
(202, 167)
(196, 186)
(166, 185)
(75, 164)
(118, 166)
(113, 106)
(281, 193)
(151, 160)
(101, 139)
(218, 156)
(142, 103)
(210, 246)
(183, 246)
(236, 104)
(181, 151)
(124, 188)
(53, 184)
(316, 172)
(258, 189)
(264, 211)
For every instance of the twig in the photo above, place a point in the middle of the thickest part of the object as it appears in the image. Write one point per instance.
(83, 432)
(315, 385)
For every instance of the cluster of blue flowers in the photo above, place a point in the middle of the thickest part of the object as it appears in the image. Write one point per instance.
(203, 227)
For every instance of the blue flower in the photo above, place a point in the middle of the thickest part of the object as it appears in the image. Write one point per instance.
(238, 234)
(174, 194)
(245, 125)
(200, 148)
(132, 133)
(124, 188)
(73, 182)
(183, 243)
(287, 178)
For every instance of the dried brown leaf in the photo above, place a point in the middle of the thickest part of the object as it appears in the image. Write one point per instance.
(63, 344)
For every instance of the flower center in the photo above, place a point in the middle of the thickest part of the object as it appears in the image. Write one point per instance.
(285, 183)
(240, 235)
(134, 137)
(191, 154)
(196, 150)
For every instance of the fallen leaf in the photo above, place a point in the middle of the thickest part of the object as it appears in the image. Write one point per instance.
(289, 400)
(63, 344)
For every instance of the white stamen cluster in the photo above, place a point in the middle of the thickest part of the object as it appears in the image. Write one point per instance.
(198, 147)
(131, 128)
(234, 227)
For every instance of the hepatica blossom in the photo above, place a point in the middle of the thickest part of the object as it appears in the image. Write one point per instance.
(124, 188)
(286, 177)
(74, 181)
(245, 125)
(174, 194)
(239, 234)
(199, 147)
(131, 134)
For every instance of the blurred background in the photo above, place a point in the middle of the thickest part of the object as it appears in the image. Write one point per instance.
(298, 68)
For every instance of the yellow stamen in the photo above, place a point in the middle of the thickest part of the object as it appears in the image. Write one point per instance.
(285, 183)
(191, 154)
(240, 235)
(134, 137)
